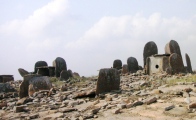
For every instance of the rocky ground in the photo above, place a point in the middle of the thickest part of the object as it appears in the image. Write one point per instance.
(141, 97)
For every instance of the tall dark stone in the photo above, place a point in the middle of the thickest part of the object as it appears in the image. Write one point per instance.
(39, 64)
(59, 64)
(172, 47)
(149, 49)
(188, 62)
(64, 75)
(117, 64)
(109, 79)
(175, 61)
(132, 64)
(70, 73)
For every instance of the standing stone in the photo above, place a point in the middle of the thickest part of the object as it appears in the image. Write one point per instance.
(23, 72)
(188, 62)
(109, 79)
(132, 64)
(59, 64)
(125, 69)
(70, 73)
(64, 75)
(149, 49)
(172, 47)
(175, 61)
(39, 64)
(51, 71)
(117, 64)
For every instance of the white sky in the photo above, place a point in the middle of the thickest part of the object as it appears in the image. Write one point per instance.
(91, 34)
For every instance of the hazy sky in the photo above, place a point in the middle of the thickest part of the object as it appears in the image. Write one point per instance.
(91, 34)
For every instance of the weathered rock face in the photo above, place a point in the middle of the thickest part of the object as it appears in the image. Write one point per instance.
(125, 69)
(41, 83)
(175, 61)
(117, 64)
(172, 47)
(6, 87)
(109, 79)
(64, 75)
(188, 62)
(132, 64)
(59, 64)
(23, 72)
(39, 64)
(149, 49)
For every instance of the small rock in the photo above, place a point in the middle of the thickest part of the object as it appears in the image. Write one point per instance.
(186, 94)
(187, 100)
(156, 91)
(64, 87)
(169, 107)
(188, 90)
(3, 104)
(17, 109)
(137, 103)
(34, 116)
(193, 94)
(116, 111)
(192, 105)
(121, 106)
(63, 110)
(150, 100)
(95, 110)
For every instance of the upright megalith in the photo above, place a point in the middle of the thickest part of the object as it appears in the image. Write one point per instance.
(59, 64)
(39, 64)
(172, 47)
(175, 61)
(188, 62)
(64, 75)
(132, 64)
(109, 79)
(117, 64)
(149, 49)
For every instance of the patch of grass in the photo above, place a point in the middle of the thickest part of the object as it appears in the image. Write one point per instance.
(56, 81)
(186, 79)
